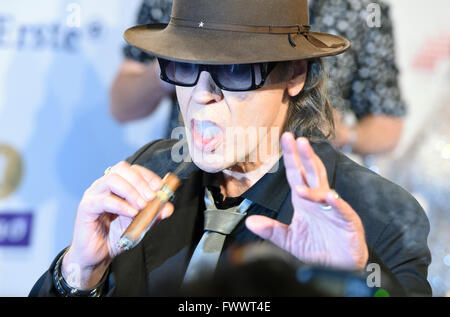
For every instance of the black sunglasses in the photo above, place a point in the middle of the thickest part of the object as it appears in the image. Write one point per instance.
(233, 77)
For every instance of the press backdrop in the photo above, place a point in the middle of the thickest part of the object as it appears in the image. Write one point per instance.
(57, 61)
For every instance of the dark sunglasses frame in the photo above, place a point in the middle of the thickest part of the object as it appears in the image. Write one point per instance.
(265, 69)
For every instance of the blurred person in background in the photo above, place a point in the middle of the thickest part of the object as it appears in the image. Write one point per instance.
(137, 90)
(364, 81)
(424, 170)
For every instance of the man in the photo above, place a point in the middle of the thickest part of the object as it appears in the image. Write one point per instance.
(244, 70)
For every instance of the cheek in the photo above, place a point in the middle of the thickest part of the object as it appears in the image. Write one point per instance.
(260, 109)
(183, 95)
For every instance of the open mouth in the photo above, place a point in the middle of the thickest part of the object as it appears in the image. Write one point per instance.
(207, 135)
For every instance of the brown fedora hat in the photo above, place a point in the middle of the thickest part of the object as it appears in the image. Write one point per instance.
(236, 32)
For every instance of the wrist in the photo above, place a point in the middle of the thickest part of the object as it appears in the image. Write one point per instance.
(79, 275)
(68, 290)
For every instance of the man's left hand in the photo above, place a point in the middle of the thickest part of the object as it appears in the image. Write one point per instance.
(325, 230)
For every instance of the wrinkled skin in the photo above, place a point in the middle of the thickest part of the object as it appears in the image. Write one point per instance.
(325, 230)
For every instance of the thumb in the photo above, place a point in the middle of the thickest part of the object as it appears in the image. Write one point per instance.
(268, 229)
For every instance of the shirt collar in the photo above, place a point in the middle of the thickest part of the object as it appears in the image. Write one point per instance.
(271, 190)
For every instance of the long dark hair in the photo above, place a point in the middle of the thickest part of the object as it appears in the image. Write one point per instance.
(310, 113)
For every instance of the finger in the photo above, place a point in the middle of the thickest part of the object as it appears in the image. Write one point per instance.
(317, 195)
(111, 204)
(135, 178)
(314, 169)
(294, 167)
(333, 199)
(116, 184)
(268, 229)
(151, 177)
(329, 197)
(165, 212)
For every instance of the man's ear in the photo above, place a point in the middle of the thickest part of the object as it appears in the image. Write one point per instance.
(297, 81)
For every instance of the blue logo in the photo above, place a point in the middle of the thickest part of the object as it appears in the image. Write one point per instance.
(15, 229)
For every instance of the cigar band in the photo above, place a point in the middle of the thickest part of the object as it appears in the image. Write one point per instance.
(165, 193)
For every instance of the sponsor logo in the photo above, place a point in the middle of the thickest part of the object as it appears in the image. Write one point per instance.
(15, 229)
(66, 36)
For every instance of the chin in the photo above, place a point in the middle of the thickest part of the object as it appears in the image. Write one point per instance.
(209, 168)
(210, 162)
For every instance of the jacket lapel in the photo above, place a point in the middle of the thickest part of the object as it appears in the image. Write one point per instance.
(169, 245)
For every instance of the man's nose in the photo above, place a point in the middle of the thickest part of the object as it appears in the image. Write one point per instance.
(206, 90)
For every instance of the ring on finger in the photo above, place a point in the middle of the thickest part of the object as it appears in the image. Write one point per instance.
(107, 171)
(328, 207)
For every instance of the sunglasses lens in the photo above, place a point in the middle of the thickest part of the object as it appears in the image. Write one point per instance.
(183, 73)
(235, 76)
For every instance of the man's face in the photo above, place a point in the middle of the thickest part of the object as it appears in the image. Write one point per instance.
(226, 128)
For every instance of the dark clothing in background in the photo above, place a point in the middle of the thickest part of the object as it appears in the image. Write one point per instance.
(151, 11)
(363, 80)
(395, 225)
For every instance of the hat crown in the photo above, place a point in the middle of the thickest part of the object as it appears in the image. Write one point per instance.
(244, 12)
(236, 32)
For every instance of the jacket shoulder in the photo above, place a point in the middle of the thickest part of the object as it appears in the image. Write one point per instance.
(376, 197)
(396, 226)
(156, 156)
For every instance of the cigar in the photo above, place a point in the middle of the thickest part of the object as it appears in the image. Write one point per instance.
(144, 219)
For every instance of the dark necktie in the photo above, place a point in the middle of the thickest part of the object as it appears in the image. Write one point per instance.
(218, 224)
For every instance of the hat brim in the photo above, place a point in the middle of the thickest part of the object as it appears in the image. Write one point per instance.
(197, 45)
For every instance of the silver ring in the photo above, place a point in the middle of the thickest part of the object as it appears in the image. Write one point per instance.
(325, 207)
(328, 207)
(107, 171)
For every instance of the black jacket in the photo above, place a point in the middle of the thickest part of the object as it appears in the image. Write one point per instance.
(396, 227)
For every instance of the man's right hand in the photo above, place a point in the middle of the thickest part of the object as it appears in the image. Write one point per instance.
(107, 208)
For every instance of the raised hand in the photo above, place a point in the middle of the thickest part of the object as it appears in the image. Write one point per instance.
(325, 230)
